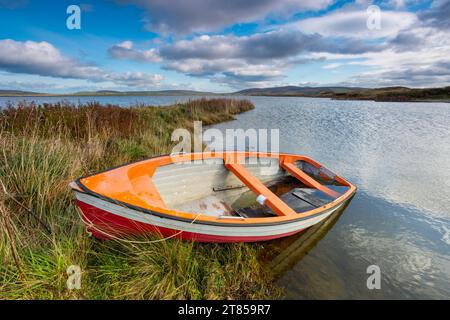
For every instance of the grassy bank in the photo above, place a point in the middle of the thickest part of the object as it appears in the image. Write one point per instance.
(394, 94)
(43, 148)
(388, 94)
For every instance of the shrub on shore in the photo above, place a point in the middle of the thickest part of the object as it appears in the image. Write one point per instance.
(43, 148)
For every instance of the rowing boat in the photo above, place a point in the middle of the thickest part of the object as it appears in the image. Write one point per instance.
(211, 197)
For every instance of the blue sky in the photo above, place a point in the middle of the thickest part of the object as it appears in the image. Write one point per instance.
(223, 46)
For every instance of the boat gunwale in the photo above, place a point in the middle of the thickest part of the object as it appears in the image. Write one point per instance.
(211, 220)
(216, 222)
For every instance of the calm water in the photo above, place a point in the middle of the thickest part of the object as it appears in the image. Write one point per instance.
(398, 155)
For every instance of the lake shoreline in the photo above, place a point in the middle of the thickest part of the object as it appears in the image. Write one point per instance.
(351, 99)
(383, 94)
(218, 95)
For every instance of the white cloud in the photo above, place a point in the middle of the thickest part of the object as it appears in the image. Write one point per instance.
(30, 85)
(125, 44)
(230, 68)
(259, 57)
(353, 23)
(426, 65)
(332, 65)
(138, 79)
(42, 58)
(185, 17)
(125, 51)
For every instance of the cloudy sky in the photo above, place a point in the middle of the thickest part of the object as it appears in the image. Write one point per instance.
(223, 46)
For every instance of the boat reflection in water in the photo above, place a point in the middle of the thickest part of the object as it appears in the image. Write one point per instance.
(282, 254)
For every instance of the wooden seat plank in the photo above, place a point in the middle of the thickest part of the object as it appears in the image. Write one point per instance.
(272, 201)
(306, 179)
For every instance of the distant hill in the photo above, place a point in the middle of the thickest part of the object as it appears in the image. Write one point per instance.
(339, 93)
(142, 93)
(393, 94)
(14, 93)
(354, 93)
(7, 93)
(296, 91)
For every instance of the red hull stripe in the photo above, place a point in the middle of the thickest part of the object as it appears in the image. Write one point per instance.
(105, 225)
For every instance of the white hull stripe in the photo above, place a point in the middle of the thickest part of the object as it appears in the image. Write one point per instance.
(247, 231)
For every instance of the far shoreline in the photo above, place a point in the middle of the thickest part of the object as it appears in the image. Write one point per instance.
(44, 95)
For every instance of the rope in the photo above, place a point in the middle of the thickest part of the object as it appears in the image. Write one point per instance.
(91, 225)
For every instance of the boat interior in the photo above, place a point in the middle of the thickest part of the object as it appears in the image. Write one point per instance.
(232, 185)
(256, 187)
